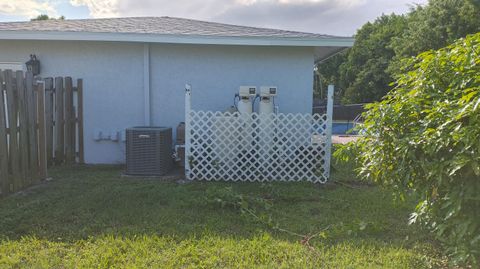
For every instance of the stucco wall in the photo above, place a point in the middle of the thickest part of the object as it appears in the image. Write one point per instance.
(215, 74)
(113, 80)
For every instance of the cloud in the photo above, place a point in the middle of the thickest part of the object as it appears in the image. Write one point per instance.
(27, 8)
(339, 17)
(204, 9)
(99, 8)
(341, 2)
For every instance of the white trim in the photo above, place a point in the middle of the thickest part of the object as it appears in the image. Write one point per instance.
(146, 84)
(328, 149)
(188, 107)
(15, 66)
(178, 39)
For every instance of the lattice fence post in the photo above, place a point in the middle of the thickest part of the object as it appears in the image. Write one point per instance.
(188, 97)
(328, 149)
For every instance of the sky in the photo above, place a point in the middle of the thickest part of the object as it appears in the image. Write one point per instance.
(336, 17)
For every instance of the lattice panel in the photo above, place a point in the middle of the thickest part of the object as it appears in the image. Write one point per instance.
(254, 147)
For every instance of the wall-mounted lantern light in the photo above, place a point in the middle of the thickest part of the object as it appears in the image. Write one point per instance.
(33, 65)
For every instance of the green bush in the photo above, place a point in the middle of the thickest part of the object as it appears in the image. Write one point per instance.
(424, 137)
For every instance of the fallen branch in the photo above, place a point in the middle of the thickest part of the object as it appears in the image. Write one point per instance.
(305, 238)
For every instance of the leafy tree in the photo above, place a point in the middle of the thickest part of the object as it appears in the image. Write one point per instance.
(435, 26)
(45, 17)
(328, 73)
(425, 137)
(362, 76)
(374, 59)
(41, 17)
(365, 69)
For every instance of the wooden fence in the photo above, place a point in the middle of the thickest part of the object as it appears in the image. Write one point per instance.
(41, 124)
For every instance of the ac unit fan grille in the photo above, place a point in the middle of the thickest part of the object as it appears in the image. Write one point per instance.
(149, 151)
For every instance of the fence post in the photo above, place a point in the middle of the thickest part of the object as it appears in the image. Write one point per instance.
(188, 96)
(49, 112)
(22, 129)
(59, 121)
(14, 155)
(4, 178)
(69, 122)
(42, 139)
(328, 148)
(81, 152)
(32, 127)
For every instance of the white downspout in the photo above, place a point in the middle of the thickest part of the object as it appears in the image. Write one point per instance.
(146, 84)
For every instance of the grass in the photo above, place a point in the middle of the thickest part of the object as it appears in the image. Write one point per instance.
(90, 217)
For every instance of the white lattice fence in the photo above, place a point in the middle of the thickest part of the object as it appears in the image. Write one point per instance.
(254, 147)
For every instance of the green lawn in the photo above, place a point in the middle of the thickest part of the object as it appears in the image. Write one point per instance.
(90, 217)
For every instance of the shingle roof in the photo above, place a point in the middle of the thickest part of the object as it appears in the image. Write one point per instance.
(155, 25)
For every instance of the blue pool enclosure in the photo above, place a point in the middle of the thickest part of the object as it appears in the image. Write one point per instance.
(339, 128)
(344, 116)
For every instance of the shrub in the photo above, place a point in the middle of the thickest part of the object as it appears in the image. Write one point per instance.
(424, 137)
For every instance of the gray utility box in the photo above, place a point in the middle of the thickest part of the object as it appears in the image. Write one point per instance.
(149, 151)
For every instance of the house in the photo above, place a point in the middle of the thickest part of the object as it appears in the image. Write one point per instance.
(134, 69)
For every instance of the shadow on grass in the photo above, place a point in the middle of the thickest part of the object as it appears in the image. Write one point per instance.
(90, 216)
(85, 201)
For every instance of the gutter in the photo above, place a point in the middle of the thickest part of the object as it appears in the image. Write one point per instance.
(178, 39)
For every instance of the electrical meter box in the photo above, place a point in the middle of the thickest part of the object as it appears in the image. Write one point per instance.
(268, 91)
(247, 91)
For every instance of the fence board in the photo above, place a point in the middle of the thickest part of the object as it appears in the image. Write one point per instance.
(38, 127)
(69, 122)
(81, 153)
(49, 109)
(32, 129)
(12, 125)
(4, 178)
(23, 134)
(42, 157)
(59, 121)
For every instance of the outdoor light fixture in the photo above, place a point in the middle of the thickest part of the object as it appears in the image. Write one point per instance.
(33, 65)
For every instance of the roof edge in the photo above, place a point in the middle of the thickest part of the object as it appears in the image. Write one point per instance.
(176, 39)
